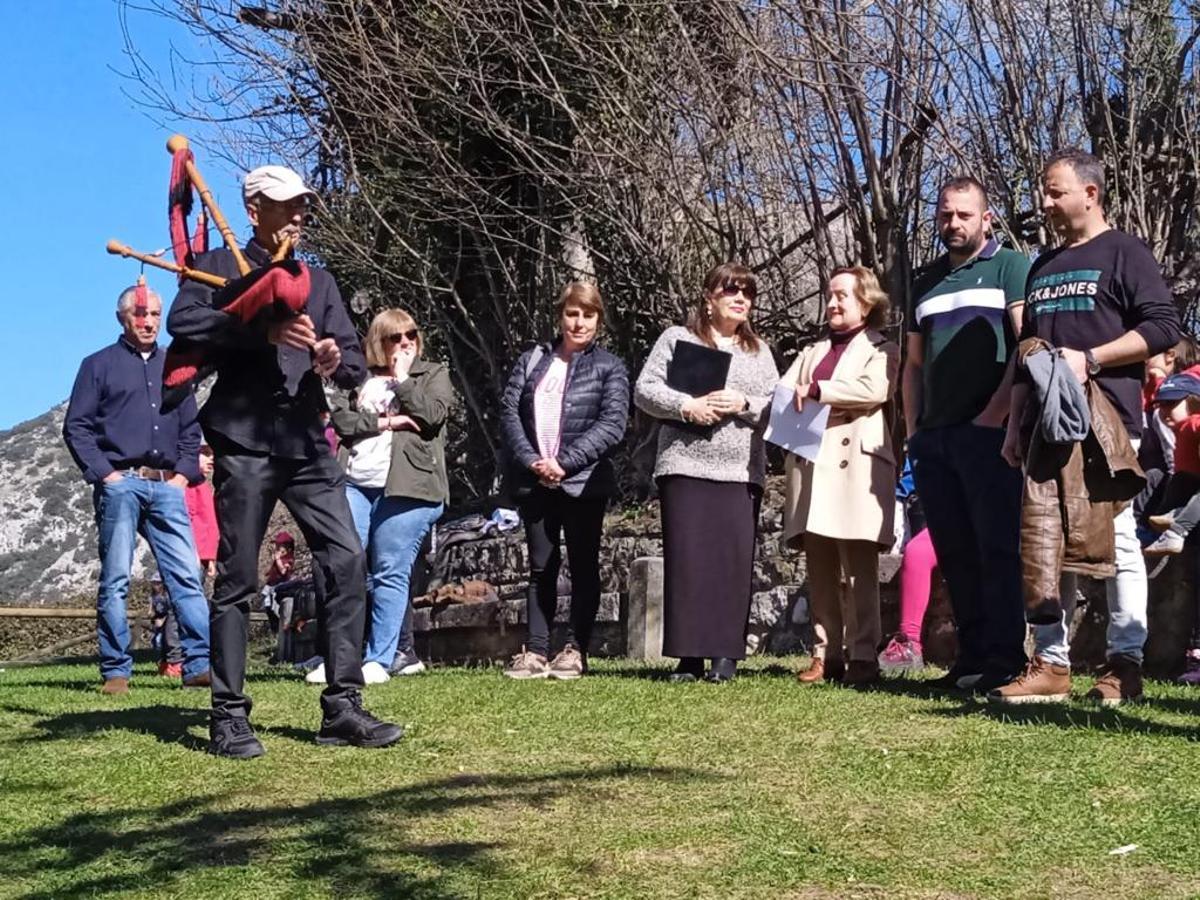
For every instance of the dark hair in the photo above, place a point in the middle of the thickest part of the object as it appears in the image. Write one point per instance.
(964, 183)
(1087, 168)
(1185, 353)
(718, 277)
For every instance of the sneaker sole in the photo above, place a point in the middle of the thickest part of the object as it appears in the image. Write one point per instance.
(524, 677)
(220, 755)
(365, 745)
(1023, 699)
(417, 669)
(565, 676)
(1111, 701)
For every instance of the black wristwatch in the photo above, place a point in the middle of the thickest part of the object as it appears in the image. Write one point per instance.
(1093, 367)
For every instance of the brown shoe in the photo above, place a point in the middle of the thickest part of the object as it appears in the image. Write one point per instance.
(1041, 682)
(115, 685)
(821, 671)
(861, 672)
(203, 680)
(526, 665)
(568, 665)
(1120, 681)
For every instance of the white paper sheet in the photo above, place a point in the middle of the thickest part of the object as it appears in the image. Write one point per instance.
(797, 432)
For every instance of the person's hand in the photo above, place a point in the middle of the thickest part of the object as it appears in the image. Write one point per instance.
(801, 396)
(326, 357)
(1078, 363)
(179, 481)
(698, 411)
(727, 402)
(112, 477)
(1011, 449)
(403, 423)
(298, 332)
(402, 360)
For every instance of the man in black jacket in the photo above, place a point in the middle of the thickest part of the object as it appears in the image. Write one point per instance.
(263, 421)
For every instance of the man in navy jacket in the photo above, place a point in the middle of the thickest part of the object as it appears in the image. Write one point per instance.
(138, 460)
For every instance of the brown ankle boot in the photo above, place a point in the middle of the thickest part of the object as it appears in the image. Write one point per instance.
(821, 671)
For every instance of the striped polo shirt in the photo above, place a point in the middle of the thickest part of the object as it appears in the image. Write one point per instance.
(961, 316)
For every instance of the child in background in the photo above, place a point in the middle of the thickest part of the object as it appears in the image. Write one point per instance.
(203, 515)
(903, 652)
(1177, 404)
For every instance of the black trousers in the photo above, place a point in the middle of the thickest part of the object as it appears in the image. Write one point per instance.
(247, 487)
(548, 514)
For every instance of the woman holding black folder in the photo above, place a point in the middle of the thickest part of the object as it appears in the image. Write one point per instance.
(709, 383)
(839, 508)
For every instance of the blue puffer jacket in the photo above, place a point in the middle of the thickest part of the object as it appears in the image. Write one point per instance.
(595, 413)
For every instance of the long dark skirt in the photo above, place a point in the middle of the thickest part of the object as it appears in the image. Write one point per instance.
(708, 564)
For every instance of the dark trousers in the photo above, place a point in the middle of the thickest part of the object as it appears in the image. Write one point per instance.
(549, 514)
(247, 488)
(171, 650)
(972, 503)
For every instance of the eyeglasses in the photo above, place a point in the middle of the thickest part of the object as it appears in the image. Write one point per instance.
(732, 289)
(401, 335)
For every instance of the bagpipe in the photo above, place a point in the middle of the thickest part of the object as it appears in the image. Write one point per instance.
(278, 290)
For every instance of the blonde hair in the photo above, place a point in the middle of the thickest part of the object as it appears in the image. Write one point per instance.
(584, 295)
(387, 323)
(868, 292)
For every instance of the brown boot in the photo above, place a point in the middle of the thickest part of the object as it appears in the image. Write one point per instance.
(1041, 682)
(821, 671)
(1120, 681)
(203, 680)
(861, 672)
(115, 685)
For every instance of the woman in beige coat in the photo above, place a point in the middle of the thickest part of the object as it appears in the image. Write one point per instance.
(839, 509)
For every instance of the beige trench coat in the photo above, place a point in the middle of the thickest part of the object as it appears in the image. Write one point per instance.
(849, 492)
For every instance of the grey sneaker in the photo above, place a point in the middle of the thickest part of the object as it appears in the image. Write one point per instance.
(526, 665)
(568, 664)
(1168, 544)
(406, 662)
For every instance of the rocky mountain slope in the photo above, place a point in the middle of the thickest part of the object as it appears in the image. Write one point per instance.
(47, 535)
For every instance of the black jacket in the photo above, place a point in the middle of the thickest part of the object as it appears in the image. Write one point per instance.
(267, 398)
(595, 413)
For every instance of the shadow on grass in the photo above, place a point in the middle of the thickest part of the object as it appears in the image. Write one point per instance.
(1072, 716)
(167, 724)
(350, 846)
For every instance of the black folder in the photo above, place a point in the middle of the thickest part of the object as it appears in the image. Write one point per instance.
(696, 370)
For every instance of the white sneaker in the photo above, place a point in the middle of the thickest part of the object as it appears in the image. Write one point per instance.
(374, 673)
(317, 675)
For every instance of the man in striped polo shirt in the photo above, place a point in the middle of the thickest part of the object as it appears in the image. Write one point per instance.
(963, 322)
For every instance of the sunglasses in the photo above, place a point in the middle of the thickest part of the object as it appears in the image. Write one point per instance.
(401, 335)
(730, 289)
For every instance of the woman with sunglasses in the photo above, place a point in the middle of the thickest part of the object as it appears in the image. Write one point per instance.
(564, 411)
(710, 469)
(392, 430)
(840, 507)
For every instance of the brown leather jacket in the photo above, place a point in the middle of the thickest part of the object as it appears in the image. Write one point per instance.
(1071, 495)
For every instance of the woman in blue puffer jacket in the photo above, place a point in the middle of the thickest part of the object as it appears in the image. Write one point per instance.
(564, 411)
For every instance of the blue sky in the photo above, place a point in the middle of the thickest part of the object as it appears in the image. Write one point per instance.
(82, 163)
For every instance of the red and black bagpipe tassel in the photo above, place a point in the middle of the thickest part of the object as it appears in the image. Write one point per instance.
(179, 206)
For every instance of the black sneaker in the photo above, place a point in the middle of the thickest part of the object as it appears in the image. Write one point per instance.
(354, 725)
(232, 737)
(957, 679)
(993, 679)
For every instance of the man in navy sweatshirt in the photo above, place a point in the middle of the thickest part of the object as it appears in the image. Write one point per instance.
(138, 461)
(1101, 299)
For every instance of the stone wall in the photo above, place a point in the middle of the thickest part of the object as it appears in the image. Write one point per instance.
(779, 617)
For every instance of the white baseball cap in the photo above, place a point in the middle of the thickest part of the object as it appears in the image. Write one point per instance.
(279, 183)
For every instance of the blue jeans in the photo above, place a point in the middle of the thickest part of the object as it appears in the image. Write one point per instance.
(156, 510)
(391, 530)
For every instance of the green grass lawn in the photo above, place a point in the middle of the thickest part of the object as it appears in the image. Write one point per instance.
(619, 785)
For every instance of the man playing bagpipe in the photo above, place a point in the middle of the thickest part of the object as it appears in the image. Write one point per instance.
(272, 335)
